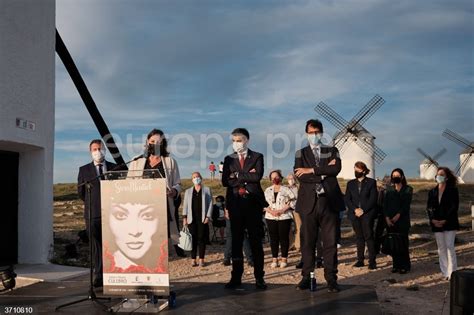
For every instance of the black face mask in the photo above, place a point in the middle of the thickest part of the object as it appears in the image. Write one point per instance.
(359, 174)
(153, 149)
(396, 180)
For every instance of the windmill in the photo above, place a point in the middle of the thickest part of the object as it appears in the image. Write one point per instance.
(465, 168)
(354, 142)
(429, 166)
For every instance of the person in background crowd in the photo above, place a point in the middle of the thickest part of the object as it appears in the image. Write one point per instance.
(218, 216)
(221, 169)
(361, 201)
(212, 170)
(397, 215)
(197, 212)
(442, 208)
(381, 225)
(278, 216)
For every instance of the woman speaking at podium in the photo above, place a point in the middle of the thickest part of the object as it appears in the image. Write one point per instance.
(157, 163)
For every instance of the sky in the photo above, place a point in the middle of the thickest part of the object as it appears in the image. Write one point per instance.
(199, 69)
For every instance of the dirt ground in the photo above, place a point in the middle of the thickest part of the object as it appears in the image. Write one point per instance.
(423, 290)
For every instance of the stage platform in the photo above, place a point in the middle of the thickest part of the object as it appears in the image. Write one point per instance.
(206, 298)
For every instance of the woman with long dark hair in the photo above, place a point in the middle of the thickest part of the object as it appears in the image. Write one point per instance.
(157, 163)
(397, 215)
(442, 208)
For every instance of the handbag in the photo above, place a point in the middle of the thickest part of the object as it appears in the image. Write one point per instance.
(392, 244)
(185, 239)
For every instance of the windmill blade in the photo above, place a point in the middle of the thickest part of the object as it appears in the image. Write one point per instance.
(439, 154)
(456, 138)
(428, 157)
(340, 143)
(330, 115)
(462, 165)
(368, 110)
(371, 149)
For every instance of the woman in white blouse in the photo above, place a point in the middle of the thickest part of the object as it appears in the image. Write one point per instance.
(279, 216)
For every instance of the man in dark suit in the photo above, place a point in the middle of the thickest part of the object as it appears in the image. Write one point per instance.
(319, 202)
(242, 173)
(97, 167)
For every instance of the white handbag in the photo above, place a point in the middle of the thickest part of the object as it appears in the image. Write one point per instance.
(185, 239)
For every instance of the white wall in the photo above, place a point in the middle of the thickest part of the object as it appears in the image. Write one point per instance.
(27, 67)
(352, 153)
(467, 172)
(428, 171)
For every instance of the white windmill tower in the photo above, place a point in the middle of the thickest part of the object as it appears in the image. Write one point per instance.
(429, 165)
(354, 142)
(465, 168)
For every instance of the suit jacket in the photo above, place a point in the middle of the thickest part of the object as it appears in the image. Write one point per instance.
(87, 172)
(366, 199)
(206, 204)
(447, 209)
(246, 179)
(323, 174)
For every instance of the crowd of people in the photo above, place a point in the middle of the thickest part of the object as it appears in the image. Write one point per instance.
(305, 212)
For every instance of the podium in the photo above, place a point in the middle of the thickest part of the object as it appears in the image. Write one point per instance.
(135, 242)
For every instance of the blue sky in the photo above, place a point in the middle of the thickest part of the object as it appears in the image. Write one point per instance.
(195, 68)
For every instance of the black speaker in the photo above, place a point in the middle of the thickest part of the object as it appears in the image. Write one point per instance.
(462, 292)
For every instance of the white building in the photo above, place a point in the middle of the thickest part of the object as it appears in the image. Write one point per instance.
(351, 153)
(467, 171)
(428, 170)
(27, 68)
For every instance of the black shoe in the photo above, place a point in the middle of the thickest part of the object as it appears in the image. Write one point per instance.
(304, 284)
(395, 270)
(333, 288)
(260, 284)
(358, 264)
(98, 282)
(250, 263)
(404, 271)
(226, 262)
(299, 265)
(233, 284)
(319, 265)
(179, 251)
(372, 266)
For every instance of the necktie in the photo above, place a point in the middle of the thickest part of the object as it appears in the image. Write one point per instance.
(242, 161)
(316, 155)
(101, 171)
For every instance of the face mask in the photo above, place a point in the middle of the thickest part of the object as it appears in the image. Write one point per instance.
(276, 181)
(396, 180)
(219, 204)
(153, 149)
(197, 181)
(239, 147)
(358, 174)
(314, 139)
(291, 182)
(98, 156)
(440, 179)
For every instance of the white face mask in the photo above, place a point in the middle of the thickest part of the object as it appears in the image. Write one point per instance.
(239, 147)
(98, 156)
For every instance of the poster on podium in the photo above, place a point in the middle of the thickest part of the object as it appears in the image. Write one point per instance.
(135, 237)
